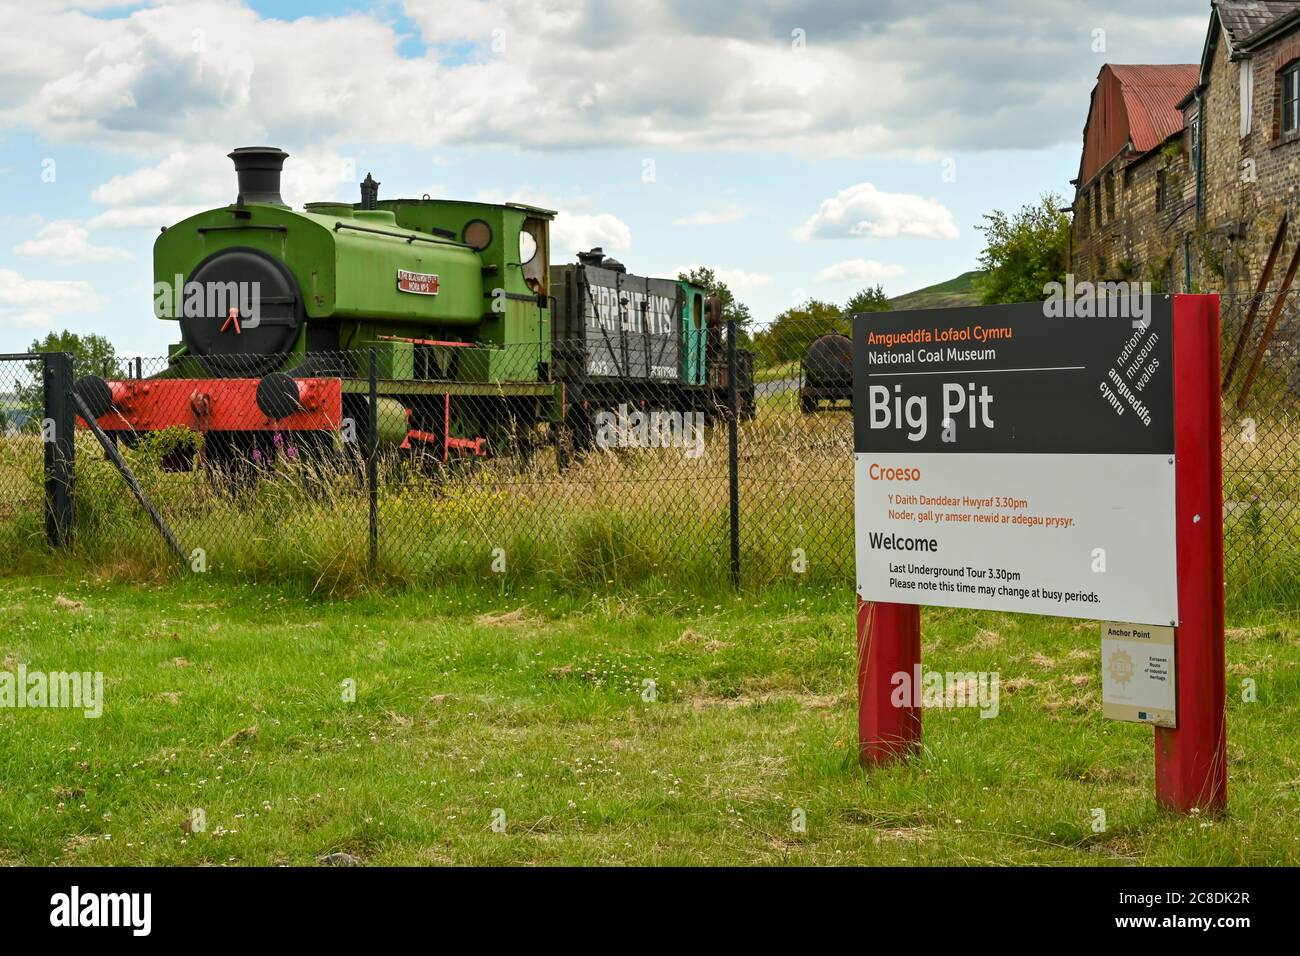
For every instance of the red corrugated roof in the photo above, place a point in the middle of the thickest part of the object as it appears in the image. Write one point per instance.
(1151, 95)
(1135, 104)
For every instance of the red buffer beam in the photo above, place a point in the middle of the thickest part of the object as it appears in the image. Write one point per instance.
(219, 404)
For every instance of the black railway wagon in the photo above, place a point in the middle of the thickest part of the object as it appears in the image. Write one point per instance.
(616, 328)
(618, 340)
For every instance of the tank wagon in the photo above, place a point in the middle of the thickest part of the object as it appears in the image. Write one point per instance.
(479, 342)
(827, 372)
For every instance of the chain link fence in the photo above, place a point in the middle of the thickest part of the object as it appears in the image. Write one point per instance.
(434, 462)
(22, 469)
(1261, 442)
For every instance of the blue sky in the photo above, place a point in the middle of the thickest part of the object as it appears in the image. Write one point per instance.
(797, 160)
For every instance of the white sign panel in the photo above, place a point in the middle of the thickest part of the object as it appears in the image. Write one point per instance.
(1013, 461)
(990, 531)
(1138, 675)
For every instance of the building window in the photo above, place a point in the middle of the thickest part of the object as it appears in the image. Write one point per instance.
(1290, 78)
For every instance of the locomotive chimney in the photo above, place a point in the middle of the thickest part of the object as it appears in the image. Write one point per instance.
(258, 169)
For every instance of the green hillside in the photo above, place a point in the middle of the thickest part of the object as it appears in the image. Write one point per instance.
(958, 291)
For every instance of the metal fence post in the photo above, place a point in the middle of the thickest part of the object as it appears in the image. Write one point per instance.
(58, 433)
(115, 456)
(372, 463)
(733, 452)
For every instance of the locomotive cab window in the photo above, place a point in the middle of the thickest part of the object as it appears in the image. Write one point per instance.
(697, 309)
(527, 248)
(534, 254)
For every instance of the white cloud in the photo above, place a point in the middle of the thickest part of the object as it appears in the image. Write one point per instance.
(921, 78)
(574, 233)
(313, 175)
(737, 280)
(859, 270)
(743, 280)
(144, 217)
(571, 232)
(863, 211)
(713, 217)
(66, 240)
(202, 174)
(202, 177)
(37, 303)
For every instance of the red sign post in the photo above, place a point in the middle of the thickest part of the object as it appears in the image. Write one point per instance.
(1191, 759)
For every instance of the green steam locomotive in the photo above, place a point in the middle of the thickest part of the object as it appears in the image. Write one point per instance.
(432, 325)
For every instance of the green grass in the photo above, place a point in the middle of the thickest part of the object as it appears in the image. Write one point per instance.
(226, 696)
(615, 520)
(957, 291)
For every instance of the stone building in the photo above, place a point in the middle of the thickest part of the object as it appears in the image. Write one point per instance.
(1247, 102)
(1133, 187)
(1187, 188)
